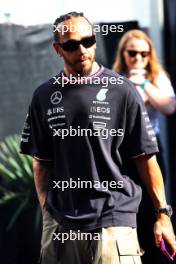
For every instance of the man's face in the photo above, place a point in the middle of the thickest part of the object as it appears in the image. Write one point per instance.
(79, 61)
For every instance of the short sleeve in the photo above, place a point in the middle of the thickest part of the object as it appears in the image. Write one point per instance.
(139, 137)
(35, 139)
(165, 85)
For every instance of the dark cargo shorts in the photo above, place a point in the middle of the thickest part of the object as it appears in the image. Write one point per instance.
(112, 245)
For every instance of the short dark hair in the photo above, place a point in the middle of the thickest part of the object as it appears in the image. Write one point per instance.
(63, 18)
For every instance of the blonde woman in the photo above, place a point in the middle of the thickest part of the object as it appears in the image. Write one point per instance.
(136, 52)
(136, 59)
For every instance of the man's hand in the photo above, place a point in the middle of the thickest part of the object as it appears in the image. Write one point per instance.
(163, 229)
(42, 172)
(150, 174)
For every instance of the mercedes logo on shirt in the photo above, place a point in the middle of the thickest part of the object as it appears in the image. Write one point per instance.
(56, 97)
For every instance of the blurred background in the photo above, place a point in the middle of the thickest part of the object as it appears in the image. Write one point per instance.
(27, 59)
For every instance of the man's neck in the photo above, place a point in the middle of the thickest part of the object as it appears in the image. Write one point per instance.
(69, 72)
(95, 68)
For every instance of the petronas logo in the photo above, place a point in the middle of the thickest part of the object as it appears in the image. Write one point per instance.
(101, 95)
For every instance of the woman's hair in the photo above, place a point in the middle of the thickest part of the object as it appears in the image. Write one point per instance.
(153, 68)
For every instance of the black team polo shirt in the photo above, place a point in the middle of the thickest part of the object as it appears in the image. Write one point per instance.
(89, 158)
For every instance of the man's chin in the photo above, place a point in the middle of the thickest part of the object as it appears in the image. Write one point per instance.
(85, 70)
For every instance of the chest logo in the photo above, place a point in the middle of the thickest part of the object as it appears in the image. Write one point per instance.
(56, 98)
(101, 95)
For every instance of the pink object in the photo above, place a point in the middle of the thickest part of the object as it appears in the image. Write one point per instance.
(165, 250)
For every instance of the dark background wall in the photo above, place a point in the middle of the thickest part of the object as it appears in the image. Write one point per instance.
(26, 60)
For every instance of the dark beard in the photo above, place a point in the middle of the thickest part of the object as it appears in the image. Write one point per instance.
(85, 72)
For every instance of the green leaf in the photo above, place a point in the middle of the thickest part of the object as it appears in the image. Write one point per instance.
(18, 183)
(7, 173)
(8, 197)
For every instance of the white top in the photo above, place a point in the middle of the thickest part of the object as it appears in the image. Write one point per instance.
(165, 85)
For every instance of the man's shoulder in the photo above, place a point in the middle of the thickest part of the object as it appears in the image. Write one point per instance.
(125, 85)
(110, 73)
(46, 86)
(125, 88)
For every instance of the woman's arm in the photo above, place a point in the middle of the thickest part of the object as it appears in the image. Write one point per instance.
(162, 96)
(159, 99)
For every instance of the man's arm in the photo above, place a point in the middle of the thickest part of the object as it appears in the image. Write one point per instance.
(151, 176)
(42, 170)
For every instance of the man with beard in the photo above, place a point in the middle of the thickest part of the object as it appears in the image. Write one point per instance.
(82, 221)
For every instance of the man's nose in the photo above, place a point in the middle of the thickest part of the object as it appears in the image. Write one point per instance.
(82, 49)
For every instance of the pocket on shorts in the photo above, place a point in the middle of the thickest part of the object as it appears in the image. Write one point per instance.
(48, 229)
(48, 252)
(128, 249)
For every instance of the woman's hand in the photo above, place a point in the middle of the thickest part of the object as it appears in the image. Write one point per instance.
(137, 80)
(159, 99)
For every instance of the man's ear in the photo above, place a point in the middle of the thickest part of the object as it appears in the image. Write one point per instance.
(57, 49)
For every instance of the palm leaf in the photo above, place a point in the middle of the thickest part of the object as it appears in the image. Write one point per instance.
(17, 172)
(6, 172)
